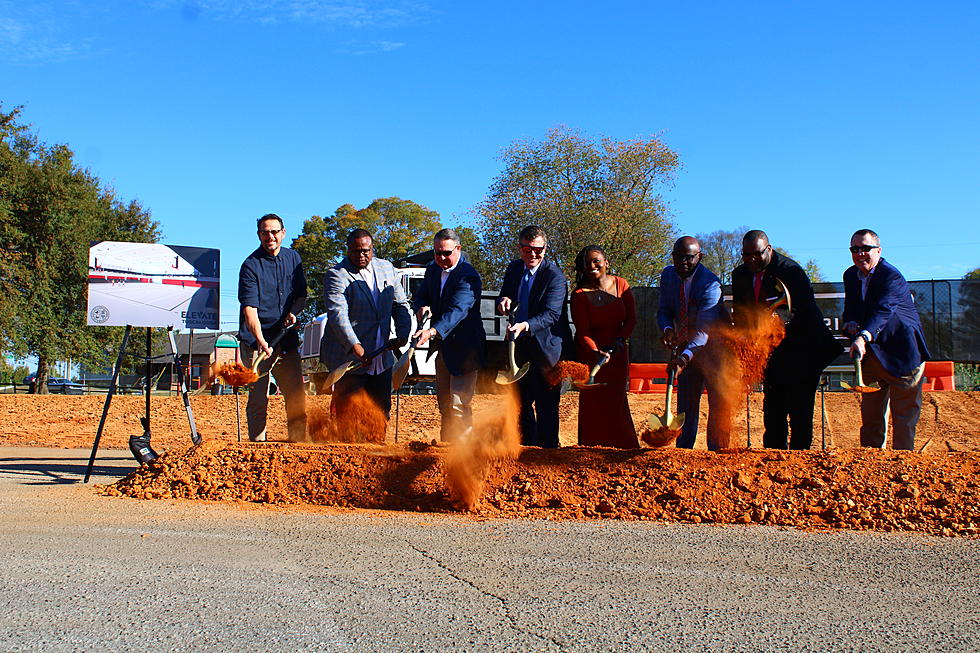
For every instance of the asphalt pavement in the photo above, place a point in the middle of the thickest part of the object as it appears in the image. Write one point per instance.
(83, 572)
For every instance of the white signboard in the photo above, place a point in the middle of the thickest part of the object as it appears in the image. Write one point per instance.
(152, 285)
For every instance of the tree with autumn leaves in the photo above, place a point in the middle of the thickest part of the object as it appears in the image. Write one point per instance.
(50, 211)
(584, 191)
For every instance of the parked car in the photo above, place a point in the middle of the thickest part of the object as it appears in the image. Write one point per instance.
(58, 385)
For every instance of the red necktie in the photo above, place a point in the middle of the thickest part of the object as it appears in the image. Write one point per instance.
(757, 285)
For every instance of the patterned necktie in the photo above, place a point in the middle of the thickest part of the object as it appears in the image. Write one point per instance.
(524, 297)
(682, 315)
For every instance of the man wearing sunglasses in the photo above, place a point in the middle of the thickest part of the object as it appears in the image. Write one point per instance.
(538, 289)
(450, 295)
(272, 292)
(880, 317)
(793, 370)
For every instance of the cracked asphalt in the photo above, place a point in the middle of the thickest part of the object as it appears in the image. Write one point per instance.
(85, 572)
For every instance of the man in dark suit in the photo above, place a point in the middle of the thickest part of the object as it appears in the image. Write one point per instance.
(887, 336)
(450, 294)
(541, 330)
(690, 302)
(793, 371)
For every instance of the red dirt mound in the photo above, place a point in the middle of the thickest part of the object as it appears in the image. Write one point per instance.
(839, 489)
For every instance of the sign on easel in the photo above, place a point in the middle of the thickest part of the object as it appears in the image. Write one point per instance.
(153, 285)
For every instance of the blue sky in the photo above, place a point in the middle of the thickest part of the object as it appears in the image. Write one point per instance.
(805, 119)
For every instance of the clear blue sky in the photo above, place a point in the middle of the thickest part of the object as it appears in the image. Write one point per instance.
(805, 119)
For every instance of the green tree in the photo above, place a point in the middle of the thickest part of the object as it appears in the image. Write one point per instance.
(583, 191)
(972, 274)
(476, 253)
(53, 210)
(400, 227)
(810, 267)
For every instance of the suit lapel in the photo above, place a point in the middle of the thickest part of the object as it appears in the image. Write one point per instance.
(362, 286)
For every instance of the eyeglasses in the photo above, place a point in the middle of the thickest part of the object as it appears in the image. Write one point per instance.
(758, 254)
(270, 232)
(529, 249)
(445, 253)
(864, 249)
(359, 251)
(687, 258)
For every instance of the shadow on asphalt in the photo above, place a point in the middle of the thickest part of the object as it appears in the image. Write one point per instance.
(48, 470)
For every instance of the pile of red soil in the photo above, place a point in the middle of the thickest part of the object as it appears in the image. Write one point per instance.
(937, 494)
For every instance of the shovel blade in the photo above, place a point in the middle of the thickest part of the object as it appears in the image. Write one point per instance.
(337, 374)
(401, 368)
(506, 377)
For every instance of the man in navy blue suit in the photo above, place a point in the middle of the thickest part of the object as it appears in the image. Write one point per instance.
(881, 318)
(690, 302)
(541, 330)
(450, 293)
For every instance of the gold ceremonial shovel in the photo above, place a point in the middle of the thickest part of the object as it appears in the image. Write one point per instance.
(668, 421)
(513, 373)
(590, 383)
(347, 366)
(404, 364)
(859, 377)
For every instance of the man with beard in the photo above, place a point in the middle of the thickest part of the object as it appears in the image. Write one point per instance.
(272, 292)
(690, 302)
(793, 371)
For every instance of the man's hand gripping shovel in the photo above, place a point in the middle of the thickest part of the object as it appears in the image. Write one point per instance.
(858, 376)
(400, 371)
(513, 373)
(348, 366)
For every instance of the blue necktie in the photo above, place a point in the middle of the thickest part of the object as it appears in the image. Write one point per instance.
(524, 297)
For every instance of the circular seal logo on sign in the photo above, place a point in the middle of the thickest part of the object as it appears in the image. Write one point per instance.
(99, 314)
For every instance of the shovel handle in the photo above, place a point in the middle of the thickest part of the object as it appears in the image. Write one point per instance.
(859, 376)
(272, 345)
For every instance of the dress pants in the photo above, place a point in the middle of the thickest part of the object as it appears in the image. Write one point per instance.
(899, 395)
(454, 394)
(285, 367)
(789, 388)
(539, 410)
(690, 386)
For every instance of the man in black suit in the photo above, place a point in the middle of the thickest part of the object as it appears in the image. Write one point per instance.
(541, 330)
(450, 294)
(793, 371)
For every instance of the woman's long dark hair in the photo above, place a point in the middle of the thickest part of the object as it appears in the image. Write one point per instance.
(580, 272)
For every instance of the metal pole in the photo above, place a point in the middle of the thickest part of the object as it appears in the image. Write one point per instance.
(108, 400)
(238, 415)
(823, 413)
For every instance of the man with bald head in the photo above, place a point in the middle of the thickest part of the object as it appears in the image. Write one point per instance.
(690, 302)
(880, 318)
(793, 371)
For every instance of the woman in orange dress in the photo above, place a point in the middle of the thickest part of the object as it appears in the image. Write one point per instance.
(604, 314)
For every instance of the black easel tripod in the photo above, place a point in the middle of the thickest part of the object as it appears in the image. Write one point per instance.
(139, 445)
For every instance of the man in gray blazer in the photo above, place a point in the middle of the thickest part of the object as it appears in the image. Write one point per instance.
(363, 296)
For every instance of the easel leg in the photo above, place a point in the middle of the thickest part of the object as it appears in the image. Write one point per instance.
(195, 438)
(108, 400)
